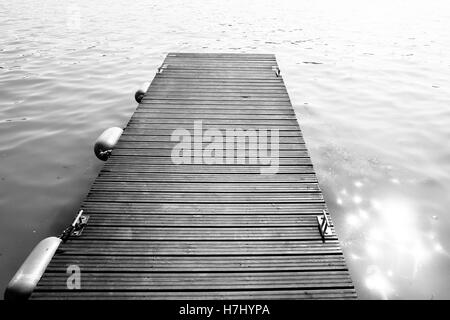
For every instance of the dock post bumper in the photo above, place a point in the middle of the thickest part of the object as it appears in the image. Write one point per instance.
(106, 142)
(30, 272)
(141, 92)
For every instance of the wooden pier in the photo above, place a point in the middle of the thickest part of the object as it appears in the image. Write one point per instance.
(158, 230)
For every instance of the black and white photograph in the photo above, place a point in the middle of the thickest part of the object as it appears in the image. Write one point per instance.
(240, 150)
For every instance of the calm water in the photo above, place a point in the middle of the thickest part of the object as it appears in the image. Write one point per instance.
(369, 80)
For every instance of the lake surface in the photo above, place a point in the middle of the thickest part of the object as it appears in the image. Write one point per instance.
(369, 80)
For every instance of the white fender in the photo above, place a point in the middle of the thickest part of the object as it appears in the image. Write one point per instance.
(106, 142)
(30, 272)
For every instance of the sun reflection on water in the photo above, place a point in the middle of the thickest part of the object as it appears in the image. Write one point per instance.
(378, 282)
(395, 244)
(397, 241)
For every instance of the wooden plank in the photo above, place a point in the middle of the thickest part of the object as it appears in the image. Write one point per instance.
(221, 64)
(234, 209)
(204, 168)
(229, 76)
(143, 122)
(241, 56)
(199, 247)
(218, 65)
(207, 187)
(193, 113)
(204, 177)
(166, 139)
(226, 95)
(237, 146)
(191, 88)
(199, 263)
(242, 83)
(168, 153)
(156, 133)
(209, 86)
(221, 73)
(222, 127)
(189, 116)
(201, 295)
(202, 281)
(135, 233)
(169, 160)
(198, 197)
(146, 106)
(200, 220)
(161, 230)
(218, 100)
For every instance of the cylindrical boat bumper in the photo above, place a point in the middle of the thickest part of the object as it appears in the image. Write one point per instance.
(141, 92)
(106, 142)
(30, 272)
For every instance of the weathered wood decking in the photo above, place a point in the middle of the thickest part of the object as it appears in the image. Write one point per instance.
(163, 231)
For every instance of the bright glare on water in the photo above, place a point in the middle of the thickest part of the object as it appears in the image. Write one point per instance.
(369, 80)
